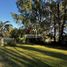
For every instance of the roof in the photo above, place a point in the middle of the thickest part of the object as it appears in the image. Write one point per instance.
(33, 36)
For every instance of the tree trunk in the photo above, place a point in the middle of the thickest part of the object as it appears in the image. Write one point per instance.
(54, 30)
(64, 18)
(58, 13)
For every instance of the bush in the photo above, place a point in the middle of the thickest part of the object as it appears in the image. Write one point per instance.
(22, 40)
(9, 42)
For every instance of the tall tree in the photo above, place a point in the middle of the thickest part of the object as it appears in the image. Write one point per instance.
(42, 16)
(64, 4)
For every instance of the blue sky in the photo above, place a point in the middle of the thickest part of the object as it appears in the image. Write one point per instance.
(6, 7)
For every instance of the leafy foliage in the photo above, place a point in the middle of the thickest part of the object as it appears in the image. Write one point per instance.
(43, 16)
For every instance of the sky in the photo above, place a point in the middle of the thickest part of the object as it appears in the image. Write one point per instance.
(6, 8)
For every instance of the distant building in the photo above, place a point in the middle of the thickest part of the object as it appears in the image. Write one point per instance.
(32, 38)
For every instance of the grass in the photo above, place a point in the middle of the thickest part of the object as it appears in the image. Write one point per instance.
(33, 56)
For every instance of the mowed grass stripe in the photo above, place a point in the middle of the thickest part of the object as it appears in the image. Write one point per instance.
(36, 56)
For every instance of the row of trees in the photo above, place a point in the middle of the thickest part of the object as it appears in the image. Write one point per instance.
(43, 16)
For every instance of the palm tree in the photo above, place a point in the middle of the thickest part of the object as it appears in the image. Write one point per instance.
(4, 27)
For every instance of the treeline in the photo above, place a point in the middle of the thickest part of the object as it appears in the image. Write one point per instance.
(43, 17)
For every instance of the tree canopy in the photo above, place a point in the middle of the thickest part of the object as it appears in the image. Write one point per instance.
(44, 16)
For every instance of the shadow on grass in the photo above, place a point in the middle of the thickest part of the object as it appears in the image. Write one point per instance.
(7, 61)
(14, 59)
(49, 53)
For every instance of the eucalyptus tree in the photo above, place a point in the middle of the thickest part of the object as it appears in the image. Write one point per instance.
(42, 15)
(64, 17)
(61, 16)
(32, 13)
(58, 17)
(24, 7)
(53, 8)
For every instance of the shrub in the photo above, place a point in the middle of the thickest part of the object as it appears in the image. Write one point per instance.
(10, 42)
(22, 40)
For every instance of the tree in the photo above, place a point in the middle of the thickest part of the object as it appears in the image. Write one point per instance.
(4, 27)
(42, 16)
(32, 14)
(64, 18)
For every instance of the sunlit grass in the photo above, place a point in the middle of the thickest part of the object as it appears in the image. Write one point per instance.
(35, 56)
(47, 49)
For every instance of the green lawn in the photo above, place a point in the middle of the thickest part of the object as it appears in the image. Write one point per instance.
(33, 56)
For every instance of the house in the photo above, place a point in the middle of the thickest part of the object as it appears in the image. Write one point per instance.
(31, 38)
